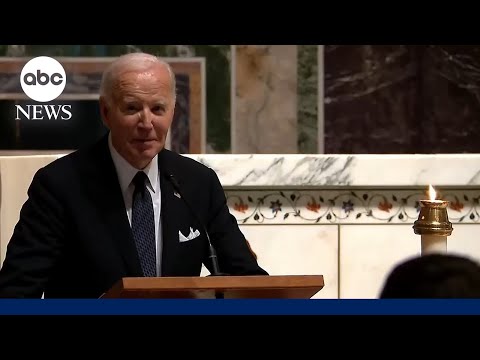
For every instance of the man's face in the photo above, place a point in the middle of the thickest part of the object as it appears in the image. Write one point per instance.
(140, 114)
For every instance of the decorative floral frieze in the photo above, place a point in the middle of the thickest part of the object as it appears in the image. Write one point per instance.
(355, 206)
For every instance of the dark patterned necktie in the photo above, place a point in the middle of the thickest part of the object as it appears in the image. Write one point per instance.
(143, 225)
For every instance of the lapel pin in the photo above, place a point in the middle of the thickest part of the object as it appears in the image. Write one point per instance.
(176, 194)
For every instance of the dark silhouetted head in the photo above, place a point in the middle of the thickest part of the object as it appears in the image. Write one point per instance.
(433, 276)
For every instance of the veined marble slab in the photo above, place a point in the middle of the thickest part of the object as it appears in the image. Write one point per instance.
(260, 170)
(293, 170)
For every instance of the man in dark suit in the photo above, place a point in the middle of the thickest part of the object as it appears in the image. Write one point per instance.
(125, 206)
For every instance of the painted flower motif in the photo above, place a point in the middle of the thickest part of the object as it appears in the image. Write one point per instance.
(385, 206)
(456, 205)
(276, 206)
(347, 206)
(313, 206)
(240, 207)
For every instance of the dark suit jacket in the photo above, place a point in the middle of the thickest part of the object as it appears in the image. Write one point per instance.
(73, 238)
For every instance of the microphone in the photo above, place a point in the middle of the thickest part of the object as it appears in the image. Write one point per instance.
(211, 250)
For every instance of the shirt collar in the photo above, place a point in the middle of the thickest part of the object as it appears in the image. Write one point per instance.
(126, 172)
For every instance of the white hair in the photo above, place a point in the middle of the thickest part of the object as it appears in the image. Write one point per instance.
(132, 61)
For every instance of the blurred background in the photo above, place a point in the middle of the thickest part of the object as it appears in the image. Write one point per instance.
(282, 99)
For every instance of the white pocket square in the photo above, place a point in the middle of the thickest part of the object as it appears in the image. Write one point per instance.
(191, 236)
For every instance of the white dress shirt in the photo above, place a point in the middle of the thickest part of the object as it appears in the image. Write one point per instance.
(125, 173)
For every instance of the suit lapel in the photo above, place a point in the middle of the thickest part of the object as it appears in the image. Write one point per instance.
(172, 210)
(108, 196)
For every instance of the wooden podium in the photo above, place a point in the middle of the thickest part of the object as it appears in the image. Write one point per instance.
(214, 287)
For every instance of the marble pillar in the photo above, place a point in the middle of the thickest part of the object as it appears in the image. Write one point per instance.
(451, 98)
(371, 99)
(401, 98)
(265, 116)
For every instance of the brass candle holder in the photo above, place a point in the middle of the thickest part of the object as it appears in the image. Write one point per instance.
(433, 224)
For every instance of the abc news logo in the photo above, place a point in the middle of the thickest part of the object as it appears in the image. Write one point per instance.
(43, 79)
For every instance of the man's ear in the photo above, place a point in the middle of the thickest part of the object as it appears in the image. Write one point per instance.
(104, 111)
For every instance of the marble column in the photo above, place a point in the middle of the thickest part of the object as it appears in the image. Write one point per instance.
(265, 101)
(371, 98)
(451, 98)
(309, 84)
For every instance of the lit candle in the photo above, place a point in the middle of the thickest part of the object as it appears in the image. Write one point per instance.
(432, 196)
(433, 224)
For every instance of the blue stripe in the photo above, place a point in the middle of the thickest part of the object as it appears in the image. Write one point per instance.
(238, 307)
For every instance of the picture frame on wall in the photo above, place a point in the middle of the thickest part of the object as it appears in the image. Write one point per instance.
(187, 134)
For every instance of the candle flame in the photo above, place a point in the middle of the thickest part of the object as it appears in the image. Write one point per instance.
(432, 193)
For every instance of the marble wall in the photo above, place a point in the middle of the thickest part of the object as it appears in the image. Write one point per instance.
(371, 99)
(401, 98)
(288, 99)
(338, 216)
(450, 84)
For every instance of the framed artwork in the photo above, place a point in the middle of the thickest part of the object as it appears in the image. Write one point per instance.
(187, 134)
